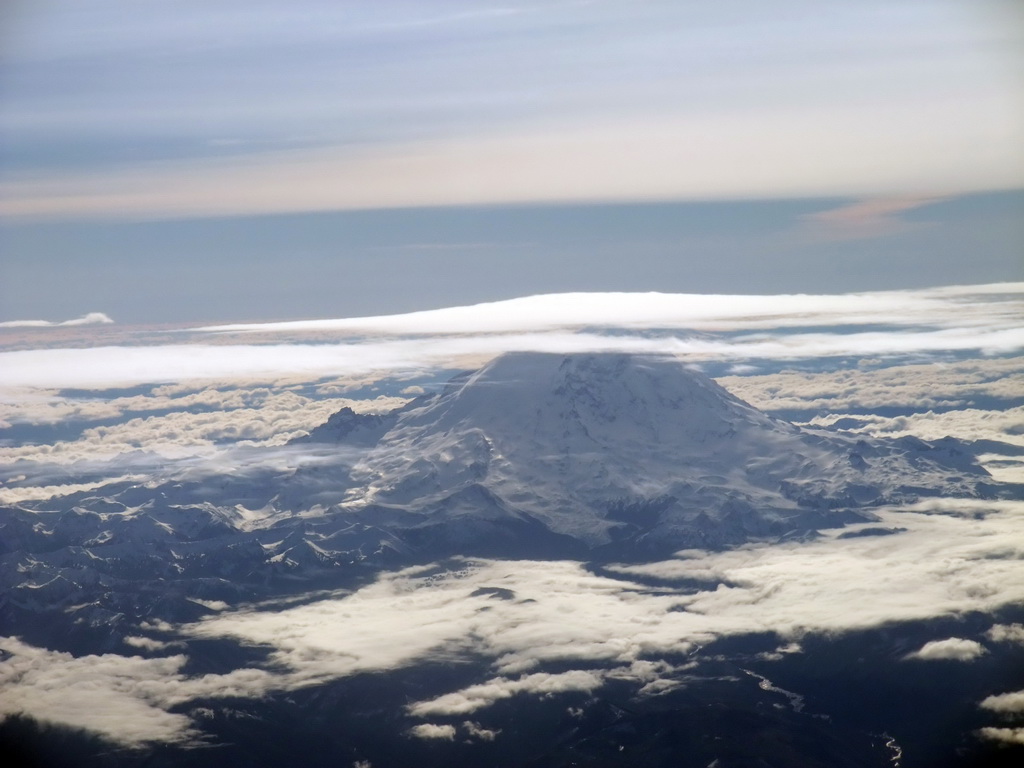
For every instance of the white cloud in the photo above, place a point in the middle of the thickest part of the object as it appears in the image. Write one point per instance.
(781, 652)
(953, 648)
(946, 561)
(966, 318)
(148, 643)
(213, 605)
(257, 417)
(41, 406)
(28, 406)
(954, 556)
(446, 615)
(475, 730)
(1006, 633)
(1003, 735)
(1005, 703)
(119, 366)
(966, 423)
(478, 696)
(917, 387)
(432, 731)
(93, 318)
(283, 416)
(118, 696)
(17, 494)
(949, 307)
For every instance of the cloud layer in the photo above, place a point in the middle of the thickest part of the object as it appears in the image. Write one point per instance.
(986, 319)
(949, 307)
(953, 556)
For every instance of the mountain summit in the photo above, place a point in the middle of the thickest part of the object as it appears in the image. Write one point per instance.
(624, 451)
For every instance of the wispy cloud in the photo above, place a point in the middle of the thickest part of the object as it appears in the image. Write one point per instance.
(874, 217)
(485, 694)
(811, 152)
(848, 105)
(93, 318)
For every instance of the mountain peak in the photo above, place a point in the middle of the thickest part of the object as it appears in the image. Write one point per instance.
(635, 396)
(603, 447)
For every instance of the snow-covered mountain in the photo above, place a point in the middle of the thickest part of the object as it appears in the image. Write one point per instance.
(637, 451)
(606, 457)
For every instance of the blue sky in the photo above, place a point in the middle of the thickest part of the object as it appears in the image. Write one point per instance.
(350, 263)
(125, 126)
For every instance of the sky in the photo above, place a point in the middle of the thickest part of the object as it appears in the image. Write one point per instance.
(232, 161)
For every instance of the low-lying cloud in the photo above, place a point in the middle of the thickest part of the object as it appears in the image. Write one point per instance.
(954, 556)
(530, 616)
(49, 479)
(483, 695)
(118, 696)
(232, 431)
(916, 387)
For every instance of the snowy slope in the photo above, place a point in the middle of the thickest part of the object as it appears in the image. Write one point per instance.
(606, 447)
